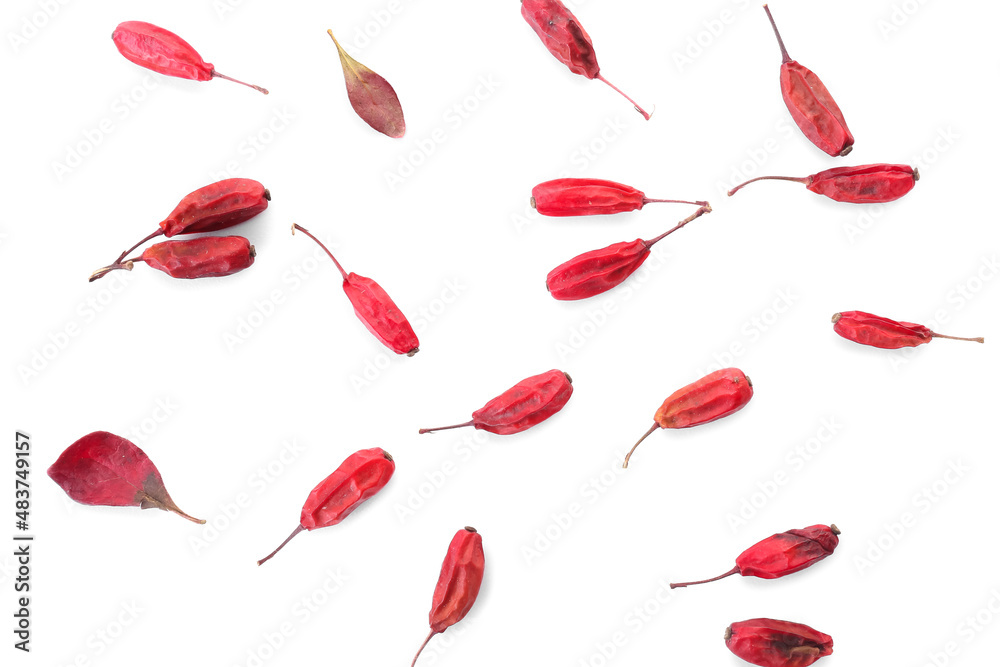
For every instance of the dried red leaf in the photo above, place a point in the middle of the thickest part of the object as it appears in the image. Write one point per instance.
(104, 469)
(371, 96)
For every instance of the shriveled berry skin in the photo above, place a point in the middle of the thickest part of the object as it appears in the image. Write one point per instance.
(362, 475)
(380, 315)
(810, 103)
(868, 184)
(788, 552)
(206, 257)
(769, 643)
(714, 396)
(160, 50)
(460, 580)
(881, 332)
(596, 271)
(529, 402)
(562, 35)
(585, 196)
(217, 206)
(814, 110)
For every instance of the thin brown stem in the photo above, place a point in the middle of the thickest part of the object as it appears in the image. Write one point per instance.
(972, 340)
(100, 273)
(804, 180)
(694, 216)
(646, 435)
(176, 510)
(121, 257)
(422, 646)
(243, 83)
(445, 428)
(784, 52)
(647, 200)
(735, 570)
(288, 539)
(638, 108)
(309, 234)
(168, 505)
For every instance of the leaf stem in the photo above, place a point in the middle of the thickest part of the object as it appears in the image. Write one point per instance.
(176, 510)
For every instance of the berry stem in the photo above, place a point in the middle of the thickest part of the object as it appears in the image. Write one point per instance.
(973, 340)
(309, 234)
(694, 216)
(646, 435)
(735, 570)
(121, 257)
(422, 646)
(445, 428)
(638, 108)
(288, 539)
(804, 180)
(647, 200)
(126, 265)
(781, 43)
(243, 83)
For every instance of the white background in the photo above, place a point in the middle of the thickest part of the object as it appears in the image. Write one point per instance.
(916, 82)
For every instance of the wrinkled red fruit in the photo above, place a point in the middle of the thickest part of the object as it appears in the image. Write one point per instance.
(782, 554)
(769, 643)
(362, 474)
(164, 52)
(459, 583)
(714, 396)
(881, 332)
(867, 184)
(529, 402)
(373, 306)
(811, 105)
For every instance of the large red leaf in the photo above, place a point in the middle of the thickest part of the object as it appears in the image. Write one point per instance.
(105, 469)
